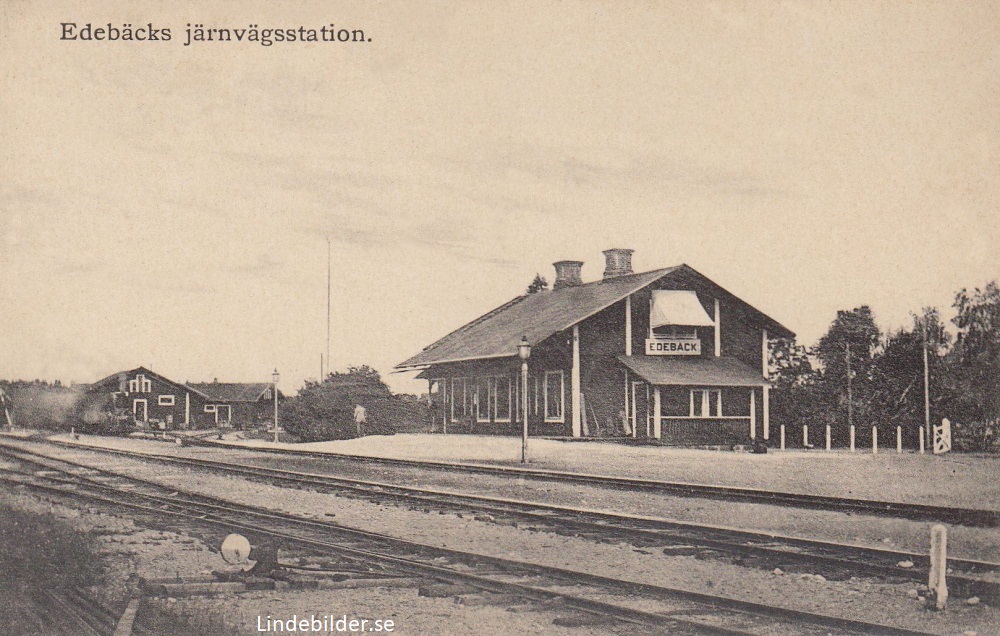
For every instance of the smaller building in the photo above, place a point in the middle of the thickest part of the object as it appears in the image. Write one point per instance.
(143, 399)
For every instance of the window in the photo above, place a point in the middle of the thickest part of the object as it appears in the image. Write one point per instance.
(554, 396)
(706, 403)
(484, 396)
(460, 399)
(210, 408)
(165, 400)
(502, 392)
(675, 332)
(141, 384)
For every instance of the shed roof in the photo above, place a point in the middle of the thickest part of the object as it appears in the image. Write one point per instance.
(693, 370)
(540, 315)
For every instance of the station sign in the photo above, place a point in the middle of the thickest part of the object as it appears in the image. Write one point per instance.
(673, 347)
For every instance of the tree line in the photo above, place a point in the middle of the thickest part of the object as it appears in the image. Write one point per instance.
(858, 374)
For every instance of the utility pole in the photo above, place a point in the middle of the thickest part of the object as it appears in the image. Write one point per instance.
(850, 397)
(927, 385)
(328, 278)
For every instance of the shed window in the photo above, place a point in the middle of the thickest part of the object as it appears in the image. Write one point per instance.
(165, 400)
(706, 403)
(554, 396)
(460, 399)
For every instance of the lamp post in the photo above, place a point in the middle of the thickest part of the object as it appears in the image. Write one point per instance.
(524, 352)
(275, 377)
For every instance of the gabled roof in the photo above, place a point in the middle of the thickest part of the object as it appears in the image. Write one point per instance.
(231, 391)
(693, 370)
(152, 374)
(538, 316)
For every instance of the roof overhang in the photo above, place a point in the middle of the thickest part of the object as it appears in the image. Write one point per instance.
(693, 371)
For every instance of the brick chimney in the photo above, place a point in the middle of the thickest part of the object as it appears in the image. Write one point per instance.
(618, 262)
(567, 274)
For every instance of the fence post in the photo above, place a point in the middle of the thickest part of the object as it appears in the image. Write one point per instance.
(921, 440)
(827, 437)
(783, 437)
(852, 438)
(874, 440)
(805, 435)
(937, 580)
(899, 440)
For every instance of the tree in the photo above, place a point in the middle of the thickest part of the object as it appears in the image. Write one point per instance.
(975, 360)
(851, 342)
(793, 378)
(325, 410)
(537, 285)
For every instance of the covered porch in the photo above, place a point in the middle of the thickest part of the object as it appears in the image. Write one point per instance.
(695, 401)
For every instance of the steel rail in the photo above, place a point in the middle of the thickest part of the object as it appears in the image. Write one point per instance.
(863, 560)
(617, 586)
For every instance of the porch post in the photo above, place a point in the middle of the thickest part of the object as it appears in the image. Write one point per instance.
(187, 408)
(753, 414)
(718, 331)
(628, 325)
(575, 382)
(767, 418)
(656, 412)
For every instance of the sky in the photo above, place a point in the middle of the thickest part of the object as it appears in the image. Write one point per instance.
(169, 205)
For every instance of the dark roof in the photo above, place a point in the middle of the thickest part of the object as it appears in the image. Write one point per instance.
(693, 370)
(538, 316)
(231, 391)
(152, 374)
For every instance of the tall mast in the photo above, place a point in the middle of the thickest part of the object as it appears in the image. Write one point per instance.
(328, 278)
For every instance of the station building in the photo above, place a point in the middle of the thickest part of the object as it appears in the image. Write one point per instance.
(666, 355)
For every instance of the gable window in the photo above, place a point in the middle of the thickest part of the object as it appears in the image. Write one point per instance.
(554, 396)
(676, 332)
(706, 403)
(210, 408)
(140, 384)
(165, 400)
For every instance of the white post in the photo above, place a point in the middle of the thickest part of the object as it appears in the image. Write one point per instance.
(187, 408)
(763, 354)
(827, 437)
(852, 438)
(753, 414)
(805, 435)
(575, 383)
(656, 412)
(937, 579)
(767, 416)
(782, 437)
(922, 440)
(874, 440)
(899, 440)
(718, 330)
(628, 325)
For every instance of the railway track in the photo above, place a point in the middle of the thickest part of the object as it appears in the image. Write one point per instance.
(974, 517)
(602, 598)
(759, 550)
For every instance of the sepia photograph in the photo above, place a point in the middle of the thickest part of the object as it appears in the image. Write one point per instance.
(555, 317)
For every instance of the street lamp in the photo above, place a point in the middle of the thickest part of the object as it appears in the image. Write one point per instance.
(524, 352)
(275, 377)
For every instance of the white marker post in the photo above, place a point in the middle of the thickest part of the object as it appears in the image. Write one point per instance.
(899, 440)
(874, 440)
(852, 438)
(937, 581)
(782, 437)
(921, 440)
(827, 437)
(805, 435)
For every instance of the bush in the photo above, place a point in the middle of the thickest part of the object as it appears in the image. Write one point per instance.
(975, 436)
